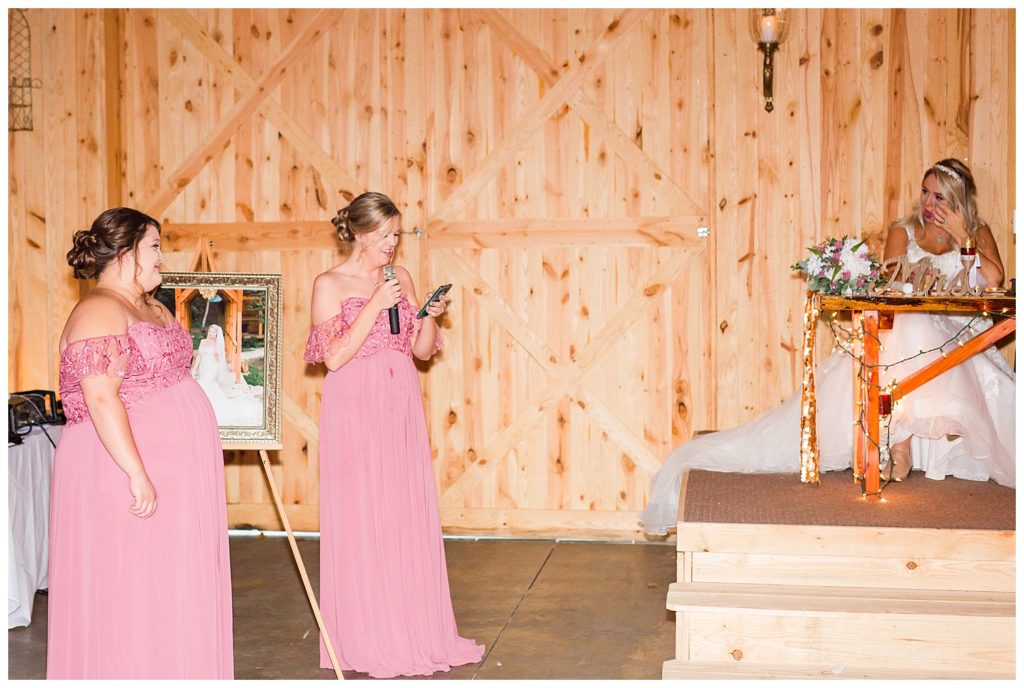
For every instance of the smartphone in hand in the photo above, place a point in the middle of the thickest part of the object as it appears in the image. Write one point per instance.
(438, 293)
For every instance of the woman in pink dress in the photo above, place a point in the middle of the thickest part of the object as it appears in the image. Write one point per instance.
(383, 579)
(140, 583)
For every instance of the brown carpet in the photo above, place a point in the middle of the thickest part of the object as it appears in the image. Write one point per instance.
(710, 497)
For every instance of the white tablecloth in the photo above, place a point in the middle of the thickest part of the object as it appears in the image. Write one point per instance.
(29, 466)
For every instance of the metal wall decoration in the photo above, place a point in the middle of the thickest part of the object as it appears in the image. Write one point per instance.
(19, 62)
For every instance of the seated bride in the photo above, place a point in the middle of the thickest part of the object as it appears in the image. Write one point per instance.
(959, 424)
(234, 403)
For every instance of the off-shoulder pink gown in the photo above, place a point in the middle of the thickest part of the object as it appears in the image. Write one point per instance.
(133, 598)
(383, 580)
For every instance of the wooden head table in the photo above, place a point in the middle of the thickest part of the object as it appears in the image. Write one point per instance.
(866, 311)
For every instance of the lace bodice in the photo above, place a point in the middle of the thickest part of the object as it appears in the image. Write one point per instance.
(323, 338)
(948, 262)
(149, 357)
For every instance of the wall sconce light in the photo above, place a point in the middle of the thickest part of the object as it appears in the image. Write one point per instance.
(769, 28)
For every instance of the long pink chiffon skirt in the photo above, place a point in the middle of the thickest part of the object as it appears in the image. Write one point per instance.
(139, 598)
(383, 579)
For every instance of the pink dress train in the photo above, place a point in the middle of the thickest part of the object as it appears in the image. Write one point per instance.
(383, 579)
(133, 598)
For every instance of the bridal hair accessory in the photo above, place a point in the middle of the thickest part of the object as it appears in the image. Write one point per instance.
(950, 171)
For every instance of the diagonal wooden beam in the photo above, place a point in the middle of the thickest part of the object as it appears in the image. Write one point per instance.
(617, 431)
(954, 358)
(337, 178)
(302, 421)
(584, 106)
(503, 443)
(547, 106)
(216, 140)
(487, 296)
(634, 309)
(565, 380)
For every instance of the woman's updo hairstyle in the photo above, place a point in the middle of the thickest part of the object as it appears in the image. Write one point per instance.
(366, 213)
(114, 233)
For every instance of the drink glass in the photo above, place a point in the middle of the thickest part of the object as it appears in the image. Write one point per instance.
(968, 252)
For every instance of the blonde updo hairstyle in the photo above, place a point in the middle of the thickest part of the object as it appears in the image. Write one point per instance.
(365, 214)
(113, 234)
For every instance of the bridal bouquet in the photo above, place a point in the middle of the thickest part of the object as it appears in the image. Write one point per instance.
(841, 266)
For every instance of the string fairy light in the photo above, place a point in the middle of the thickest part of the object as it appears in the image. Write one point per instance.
(809, 454)
(853, 338)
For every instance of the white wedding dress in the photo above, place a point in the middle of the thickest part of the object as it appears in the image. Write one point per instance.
(233, 404)
(961, 423)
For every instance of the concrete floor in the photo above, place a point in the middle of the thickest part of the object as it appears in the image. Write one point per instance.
(546, 610)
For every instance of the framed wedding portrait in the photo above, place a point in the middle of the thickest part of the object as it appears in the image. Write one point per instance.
(235, 323)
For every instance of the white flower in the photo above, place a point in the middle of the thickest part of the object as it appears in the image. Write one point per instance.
(862, 246)
(855, 261)
(814, 264)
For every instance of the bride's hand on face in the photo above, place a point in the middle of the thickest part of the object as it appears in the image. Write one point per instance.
(385, 295)
(951, 221)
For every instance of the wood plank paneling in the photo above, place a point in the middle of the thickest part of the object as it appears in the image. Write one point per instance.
(560, 161)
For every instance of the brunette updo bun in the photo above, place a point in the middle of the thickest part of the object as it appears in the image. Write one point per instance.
(366, 213)
(113, 233)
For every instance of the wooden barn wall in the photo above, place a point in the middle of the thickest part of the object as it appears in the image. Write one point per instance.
(560, 162)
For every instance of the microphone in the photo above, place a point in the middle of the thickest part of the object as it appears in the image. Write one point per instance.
(389, 274)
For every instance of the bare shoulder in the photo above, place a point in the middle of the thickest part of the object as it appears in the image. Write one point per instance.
(987, 242)
(332, 278)
(403, 274)
(896, 241)
(985, 233)
(329, 288)
(96, 315)
(405, 280)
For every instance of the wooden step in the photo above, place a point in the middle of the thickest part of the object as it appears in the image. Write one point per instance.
(822, 601)
(676, 669)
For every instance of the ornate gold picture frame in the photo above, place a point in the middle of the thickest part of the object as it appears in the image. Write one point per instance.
(235, 322)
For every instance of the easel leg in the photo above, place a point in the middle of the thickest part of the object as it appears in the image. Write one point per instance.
(265, 460)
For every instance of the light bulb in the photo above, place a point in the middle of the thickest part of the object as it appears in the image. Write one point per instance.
(769, 28)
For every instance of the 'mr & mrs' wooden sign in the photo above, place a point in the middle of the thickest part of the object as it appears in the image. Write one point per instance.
(924, 279)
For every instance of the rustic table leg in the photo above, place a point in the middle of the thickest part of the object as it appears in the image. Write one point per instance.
(871, 477)
(858, 409)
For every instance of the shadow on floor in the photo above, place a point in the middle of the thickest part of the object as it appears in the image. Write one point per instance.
(544, 609)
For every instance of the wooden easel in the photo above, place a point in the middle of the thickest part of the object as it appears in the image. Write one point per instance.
(265, 460)
(202, 261)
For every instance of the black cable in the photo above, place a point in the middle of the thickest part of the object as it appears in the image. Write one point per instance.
(42, 418)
